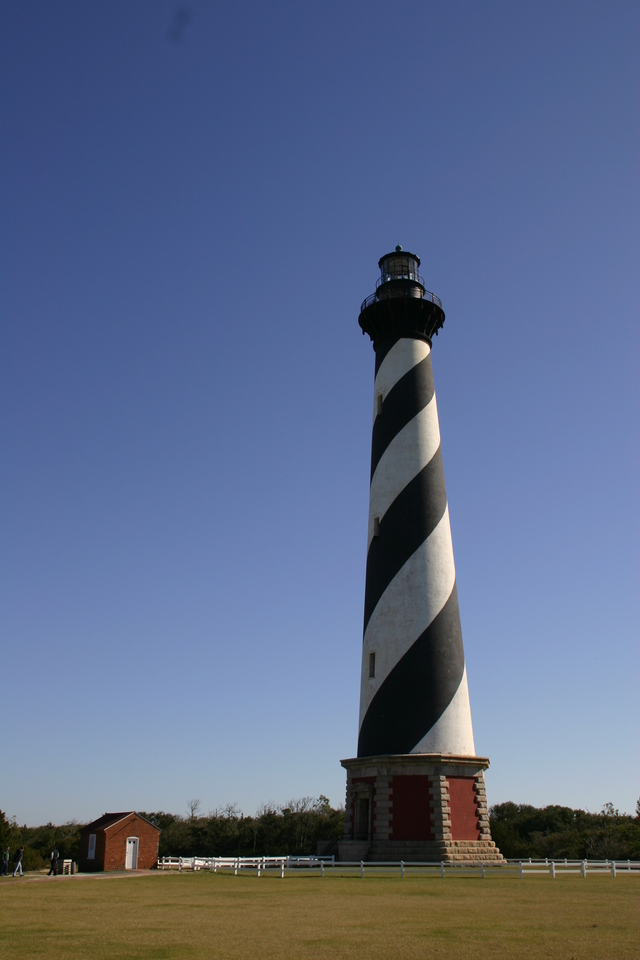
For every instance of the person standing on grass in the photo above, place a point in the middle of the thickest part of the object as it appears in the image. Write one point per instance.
(53, 869)
(18, 868)
(6, 856)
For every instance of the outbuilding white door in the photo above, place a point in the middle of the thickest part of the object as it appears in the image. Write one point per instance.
(131, 861)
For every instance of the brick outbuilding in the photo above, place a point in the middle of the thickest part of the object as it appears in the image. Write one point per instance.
(119, 841)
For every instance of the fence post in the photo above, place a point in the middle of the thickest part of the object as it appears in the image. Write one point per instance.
(442, 869)
(362, 868)
(482, 869)
(321, 868)
(282, 870)
(553, 869)
(584, 868)
(613, 869)
(180, 865)
(402, 869)
(520, 869)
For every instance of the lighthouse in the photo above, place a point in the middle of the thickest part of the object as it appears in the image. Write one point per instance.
(415, 790)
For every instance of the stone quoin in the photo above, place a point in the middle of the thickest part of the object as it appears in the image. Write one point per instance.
(416, 790)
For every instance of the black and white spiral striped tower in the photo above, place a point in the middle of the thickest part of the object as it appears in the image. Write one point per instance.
(414, 696)
(416, 771)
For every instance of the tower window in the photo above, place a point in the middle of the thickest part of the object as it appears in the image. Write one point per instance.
(379, 405)
(376, 526)
(372, 666)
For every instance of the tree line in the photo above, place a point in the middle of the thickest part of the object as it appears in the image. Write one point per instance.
(38, 842)
(292, 828)
(519, 830)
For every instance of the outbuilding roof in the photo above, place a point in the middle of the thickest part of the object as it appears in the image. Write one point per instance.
(109, 819)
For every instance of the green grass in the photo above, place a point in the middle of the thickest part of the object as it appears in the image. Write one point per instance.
(210, 916)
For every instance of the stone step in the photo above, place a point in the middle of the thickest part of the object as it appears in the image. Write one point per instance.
(467, 851)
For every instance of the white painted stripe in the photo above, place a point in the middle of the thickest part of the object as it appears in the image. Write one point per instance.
(415, 596)
(403, 356)
(408, 453)
(453, 732)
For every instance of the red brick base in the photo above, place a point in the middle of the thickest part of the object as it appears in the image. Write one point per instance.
(417, 807)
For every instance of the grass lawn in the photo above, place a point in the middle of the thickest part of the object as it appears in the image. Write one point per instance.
(213, 915)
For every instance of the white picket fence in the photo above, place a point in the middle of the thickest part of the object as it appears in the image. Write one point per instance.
(557, 867)
(328, 866)
(259, 864)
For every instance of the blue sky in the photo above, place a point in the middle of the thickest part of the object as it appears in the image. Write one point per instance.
(194, 200)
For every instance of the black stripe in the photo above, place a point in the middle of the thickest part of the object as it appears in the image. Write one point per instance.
(382, 349)
(419, 688)
(412, 516)
(406, 398)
